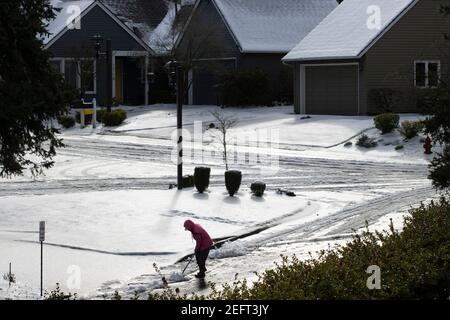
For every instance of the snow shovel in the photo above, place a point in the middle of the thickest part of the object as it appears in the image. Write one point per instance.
(189, 262)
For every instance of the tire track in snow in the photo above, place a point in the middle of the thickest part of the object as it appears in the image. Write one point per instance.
(348, 220)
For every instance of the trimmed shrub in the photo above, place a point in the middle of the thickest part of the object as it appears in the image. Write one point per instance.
(201, 178)
(66, 121)
(258, 188)
(410, 129)
(188, 181)
(385, 99)
(233, 179)
(100, 114)
(365, 141)
(246, 88)
(386, 122)
(114, 118)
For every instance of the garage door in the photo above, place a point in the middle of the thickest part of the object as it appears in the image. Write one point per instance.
(331, 90)
(206, 80)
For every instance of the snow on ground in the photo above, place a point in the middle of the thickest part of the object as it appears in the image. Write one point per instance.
(110, 216)
(134, 224)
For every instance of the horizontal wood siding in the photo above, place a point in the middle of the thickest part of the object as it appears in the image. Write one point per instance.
(418, 35)
(95, 22)
(207, 36)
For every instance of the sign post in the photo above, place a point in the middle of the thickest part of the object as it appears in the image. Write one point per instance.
(41, 240)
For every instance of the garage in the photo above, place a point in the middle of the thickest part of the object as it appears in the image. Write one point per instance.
(332, 89)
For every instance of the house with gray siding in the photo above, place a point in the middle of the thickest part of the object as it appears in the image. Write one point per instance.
(367, 45)
(72, 52)
(235, 35)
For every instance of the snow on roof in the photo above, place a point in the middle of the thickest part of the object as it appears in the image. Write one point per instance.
(70, 11)
(272, 25)
(349, 29)
(163, 37)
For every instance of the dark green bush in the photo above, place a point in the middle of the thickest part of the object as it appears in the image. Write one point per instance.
(245, 88)
(114, 118)
(410, 129)
(385, 99)
(201, 178)
(258, 188)
(66, 121)
(100, 114)
(188, 181)
(365, 141)
(233, 181)
(386, 122)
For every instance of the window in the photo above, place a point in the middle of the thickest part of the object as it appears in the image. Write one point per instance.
(71, 73)
(56, 65)
(427, 74)
(78, 74)
(87, 70)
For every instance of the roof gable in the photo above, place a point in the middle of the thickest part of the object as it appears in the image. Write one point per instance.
(347, 32)
(268, 26)
(272, 26)
(73, 11)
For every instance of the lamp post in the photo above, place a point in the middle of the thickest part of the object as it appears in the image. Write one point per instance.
(176, 78)
(98, 40)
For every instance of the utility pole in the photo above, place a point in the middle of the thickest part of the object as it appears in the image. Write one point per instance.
(180, 96)
(108, 75)
(176, 81)
(41, 240)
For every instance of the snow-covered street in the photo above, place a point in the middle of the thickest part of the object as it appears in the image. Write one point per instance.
(110, 215)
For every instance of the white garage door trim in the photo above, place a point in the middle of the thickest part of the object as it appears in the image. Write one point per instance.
(303, 81)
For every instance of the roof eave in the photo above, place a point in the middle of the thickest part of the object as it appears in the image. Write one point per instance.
(322, 58)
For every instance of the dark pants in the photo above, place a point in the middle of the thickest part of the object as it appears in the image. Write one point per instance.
(201, 257)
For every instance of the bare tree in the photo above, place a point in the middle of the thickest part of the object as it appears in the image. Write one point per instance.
(225, 122)
(188, 45)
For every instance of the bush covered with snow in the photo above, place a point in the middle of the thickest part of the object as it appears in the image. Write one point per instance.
(365, 141)
(410, 129)
(233, 181)
(386, 122)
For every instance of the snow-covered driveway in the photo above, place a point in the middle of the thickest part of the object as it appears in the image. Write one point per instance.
(109, 212)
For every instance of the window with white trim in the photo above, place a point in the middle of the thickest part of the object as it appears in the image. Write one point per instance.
(79, 74)
(427, 73)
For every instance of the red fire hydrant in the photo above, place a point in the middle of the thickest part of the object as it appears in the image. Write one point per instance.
(427, 145)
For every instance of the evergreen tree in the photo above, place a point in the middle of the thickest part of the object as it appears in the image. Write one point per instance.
(31, 93)
(437, 105)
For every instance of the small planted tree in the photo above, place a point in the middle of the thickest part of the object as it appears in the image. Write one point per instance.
(225, 122)
(201, 178)
(233, 181)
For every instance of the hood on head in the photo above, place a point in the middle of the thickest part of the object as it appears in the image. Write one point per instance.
(188, 224)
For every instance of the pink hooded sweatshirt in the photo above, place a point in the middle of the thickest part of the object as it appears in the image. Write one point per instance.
(200, 235)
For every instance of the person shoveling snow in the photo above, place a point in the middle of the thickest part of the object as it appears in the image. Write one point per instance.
(203, 245)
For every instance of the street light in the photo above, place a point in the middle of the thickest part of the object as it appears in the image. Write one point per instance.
(98, 40)
(176, 79)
